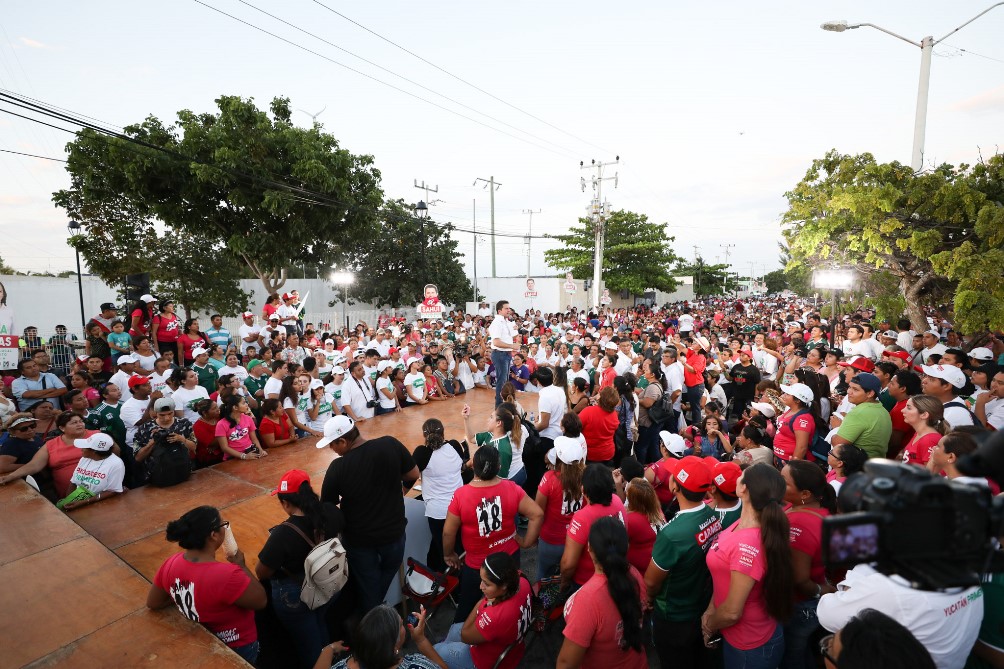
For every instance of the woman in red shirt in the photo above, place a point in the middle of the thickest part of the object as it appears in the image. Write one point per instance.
(190, 339)
(603, 619)
(926, 415)
(600, 492)
(141, 316)
(751, 571)
(221, 597)
(644, 519)
(796, 428)
(811, 500)
(166, 328)
(275, 428)
(560, 496)
(484, 512)
(207, 449)
(599, 423)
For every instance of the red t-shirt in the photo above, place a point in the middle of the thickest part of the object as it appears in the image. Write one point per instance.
(784, 439)
(593, 621)
(500, 625)
(487, 519)
(168, 328)
(641, 539)
(205, 592)
(661, 482)
(558, 510)
(898, 424)
(741, 551)
(578, 531)
(807, 537)
(698, 362)
(918, 451)
(189, 344)
(598, 427)
(207, 451)
(280, 429)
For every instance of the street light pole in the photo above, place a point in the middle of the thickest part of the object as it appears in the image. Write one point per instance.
(343, 279)
(926, 47)
(74, 228)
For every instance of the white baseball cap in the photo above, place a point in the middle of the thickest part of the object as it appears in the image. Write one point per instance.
(336, 427)
(384, 364)
(568, 450)
(982, 354)
(96, 442)
(247, 314)
(338, 369)
(673, 443)
(947, 373)
(148, 298)
(765, 408)
(126, 359)
(799, 391)
(196, 352)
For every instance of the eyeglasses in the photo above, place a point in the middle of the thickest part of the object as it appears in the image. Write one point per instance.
(223, 525)
(833, 454)
(825, 646)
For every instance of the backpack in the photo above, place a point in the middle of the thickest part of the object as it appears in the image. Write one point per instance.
(818, 446)
(661, 411)
(532, 445)
(169, 464)
(325, 570)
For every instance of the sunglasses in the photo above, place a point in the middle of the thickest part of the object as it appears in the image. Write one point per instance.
(23, 428)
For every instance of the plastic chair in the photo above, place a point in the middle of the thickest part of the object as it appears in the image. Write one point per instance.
(427, 587)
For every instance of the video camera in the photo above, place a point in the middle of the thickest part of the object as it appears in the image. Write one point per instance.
(906, 521)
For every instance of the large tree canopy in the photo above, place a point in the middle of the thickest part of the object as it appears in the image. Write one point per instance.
(401, 254)
(708, 279)
(919, 228)
(637, 255)
(269, 193)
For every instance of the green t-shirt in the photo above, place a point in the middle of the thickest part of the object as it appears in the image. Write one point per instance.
(207, 377)
(868, 426)
(502, 444)
(680, 549)
(642, 383)
(105, 418)
(253, 385)
(729, 516)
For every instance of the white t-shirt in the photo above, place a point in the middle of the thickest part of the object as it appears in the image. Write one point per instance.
(301, 407)
(928, 352)
(238, 371)
(686, 322)
(413, 386)
(186, 399)
(146, 361)
(356, 393)
(995, 413)
(247, 331)
(98, 476)
(121, 379)
(159, 382)
(131, 413)
(440, 479)
(857, 348)
(335, 390)
(552, 402)
(624, 364)
(905, 340)
(500, 329)
(324, 412)
(273, 387)
(383, 383)
(766, 363)
(946, 623)
(674, 382)
(581, 374)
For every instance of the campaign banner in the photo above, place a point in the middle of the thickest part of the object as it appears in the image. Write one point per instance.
(9, 351)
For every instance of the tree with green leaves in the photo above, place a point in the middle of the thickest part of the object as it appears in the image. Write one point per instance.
(255, 186)
(797, 275)
(637, 254)
(922, 229)
(708, 279)
(5, 268)
(402, 253)
(776, 281)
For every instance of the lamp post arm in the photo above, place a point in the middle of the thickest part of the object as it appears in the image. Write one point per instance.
(887, 32)
(969, 21)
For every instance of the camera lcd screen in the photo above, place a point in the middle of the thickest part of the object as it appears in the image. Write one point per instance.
(850, 541)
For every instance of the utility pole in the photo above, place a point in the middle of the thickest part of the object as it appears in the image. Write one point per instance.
(492, 186)
(423, 213)
(529, 231)
(697, 279)
(598, 210)
(475, 219)
(727, 248)
(313, 117)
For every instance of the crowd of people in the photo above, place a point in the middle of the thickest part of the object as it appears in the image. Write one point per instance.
(672, 478)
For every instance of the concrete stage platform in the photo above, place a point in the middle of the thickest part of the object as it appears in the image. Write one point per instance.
(75, 584)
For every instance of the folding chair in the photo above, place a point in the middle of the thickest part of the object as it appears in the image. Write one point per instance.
(427, 587)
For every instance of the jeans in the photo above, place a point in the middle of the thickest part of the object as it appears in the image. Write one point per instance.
(693, 396)
(502, 360)
(379, 411)
(767, 656)
(249, 652)
(680, 644)
(455, 652)
(519, 478)
(309, 629)
(797, 632)
(372, 569)
(647, 447)
(548, 557)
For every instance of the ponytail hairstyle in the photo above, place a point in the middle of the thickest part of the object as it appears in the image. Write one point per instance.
(934, 409)
(755, 433)
(809, 476)
(434, 433)
(203, 406)
(641, 498)
(487, 463)
(517, 425)
(502, 570)
(306, 500)
(508, 392)
(506, 416)
(624, 389)
(192, 530)
(178, 375)
(229, 404)
(608, 544)
(765, 487)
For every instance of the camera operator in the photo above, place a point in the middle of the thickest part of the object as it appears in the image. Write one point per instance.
(873, 639)
(359, 398)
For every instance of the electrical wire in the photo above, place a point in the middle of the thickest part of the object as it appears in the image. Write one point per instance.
(32, 155)
(380, 81)
(460, 79)
(971, 53)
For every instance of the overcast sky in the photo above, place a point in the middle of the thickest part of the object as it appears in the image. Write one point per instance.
(715, 109)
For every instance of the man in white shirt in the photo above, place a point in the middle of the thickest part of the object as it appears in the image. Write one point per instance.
(270, 331)
(625, 357)
(686, 323)
(500, 334)
(126, 365)
(945, 382)
(248, 332)
(357, 392)
(905, 334)
(945, 622)
(672, 370)
(135, 410)
(273, 387)
(932, 345)
(990, 405)
(288, 314)
(856, 345)
(380, 344)
(551, 405)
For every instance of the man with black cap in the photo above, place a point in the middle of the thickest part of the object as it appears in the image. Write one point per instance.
(867, 425)
(109, 313)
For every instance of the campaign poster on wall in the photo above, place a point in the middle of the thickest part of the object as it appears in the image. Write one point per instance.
(430, 307)
(570, 287)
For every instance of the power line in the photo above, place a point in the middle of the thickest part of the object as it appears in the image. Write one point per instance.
(32, 155)
(400, 76)
(379, 81)
(972, 53)
(460, 79)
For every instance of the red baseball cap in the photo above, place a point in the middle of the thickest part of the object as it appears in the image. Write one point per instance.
(725, 475)
(137, 380)
(902, 355)
(291, 481)
(392, 350)
(692, 473)
(860, 363)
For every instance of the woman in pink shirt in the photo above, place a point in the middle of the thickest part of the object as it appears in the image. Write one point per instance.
(599, 491)
(925, 414)
(752, 573)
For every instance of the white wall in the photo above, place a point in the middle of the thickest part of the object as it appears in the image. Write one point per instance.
(551, 295)
(45, 301)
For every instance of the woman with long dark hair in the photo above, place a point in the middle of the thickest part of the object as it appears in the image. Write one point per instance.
(751, 572)
(190, 339)
(236, 433)
(797, 426)
(166, 328)
(603, 619)
(141, 316)
(811, 500)
(844, 460)
(221, 597)
(441, 463)
(599, 490)
(560, 496)
(309, 522)
(378, 642)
